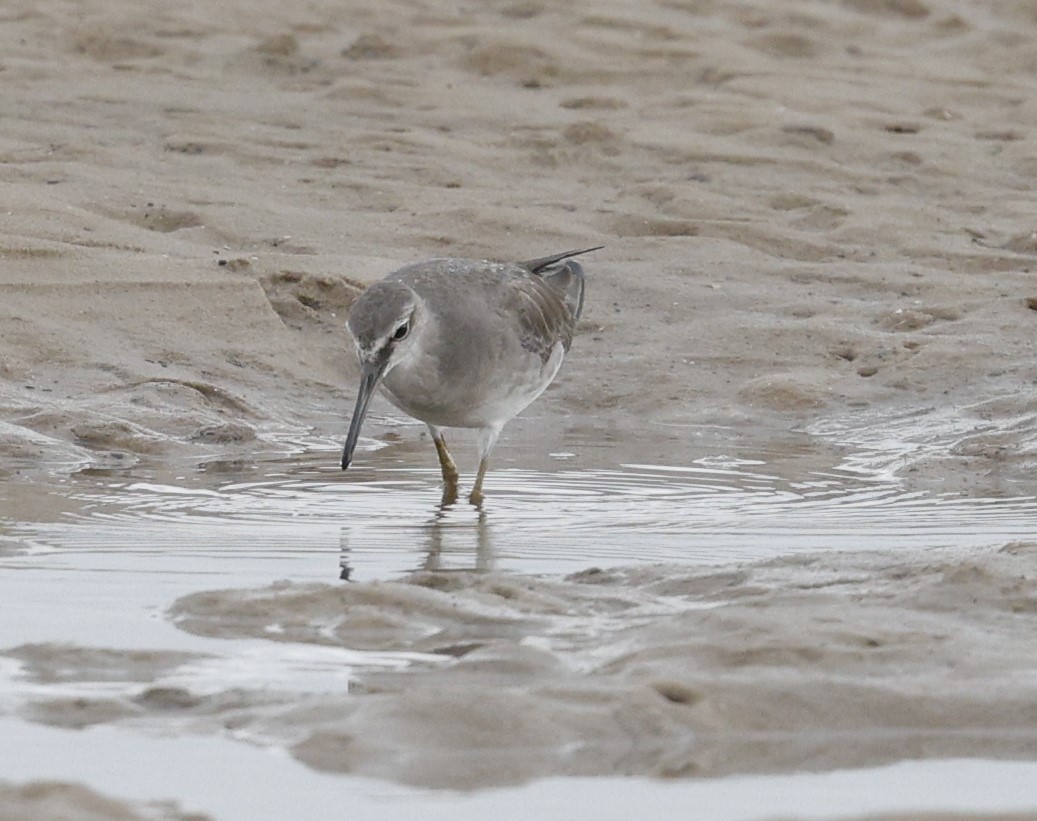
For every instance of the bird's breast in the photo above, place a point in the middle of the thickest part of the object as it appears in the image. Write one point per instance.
(479, 391)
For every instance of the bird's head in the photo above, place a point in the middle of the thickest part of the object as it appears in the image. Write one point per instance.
(382, 323)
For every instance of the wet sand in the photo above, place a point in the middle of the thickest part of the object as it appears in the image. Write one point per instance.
(811, 663)
(807, 212)
(819, 240)
(814, 662)
(48, 801)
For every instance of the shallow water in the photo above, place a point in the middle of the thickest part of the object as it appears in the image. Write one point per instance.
(143, 540)
(233, 781)
(97, 559)
(303, 518)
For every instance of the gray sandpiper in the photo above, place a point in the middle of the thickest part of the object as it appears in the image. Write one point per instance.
(462, 343)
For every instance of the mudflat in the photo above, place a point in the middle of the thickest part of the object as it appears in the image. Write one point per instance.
(818, 230)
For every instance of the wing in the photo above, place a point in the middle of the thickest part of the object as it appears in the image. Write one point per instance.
(544, 318)
(567, 279)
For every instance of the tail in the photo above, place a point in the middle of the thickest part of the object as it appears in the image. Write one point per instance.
(566, 278)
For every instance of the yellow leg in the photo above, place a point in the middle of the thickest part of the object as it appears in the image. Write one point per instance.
(487, 439)
(476, 498)
(446, 464)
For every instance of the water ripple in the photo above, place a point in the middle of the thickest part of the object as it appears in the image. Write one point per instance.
(385, 522)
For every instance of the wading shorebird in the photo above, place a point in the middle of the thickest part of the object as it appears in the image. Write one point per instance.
(463, 343)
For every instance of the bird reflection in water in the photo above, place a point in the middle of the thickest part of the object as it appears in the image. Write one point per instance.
(448, 544)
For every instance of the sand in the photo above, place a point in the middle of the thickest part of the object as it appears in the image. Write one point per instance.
(808, 211)
(50, 801)
(660, 671)
(818, 220)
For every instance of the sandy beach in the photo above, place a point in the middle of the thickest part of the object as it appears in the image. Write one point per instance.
(820, 254)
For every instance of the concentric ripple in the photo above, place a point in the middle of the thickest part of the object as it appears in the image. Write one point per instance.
(301, 520)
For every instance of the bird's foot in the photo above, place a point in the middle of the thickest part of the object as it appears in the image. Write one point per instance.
(476, 497)
(449, 493)
(446, 464)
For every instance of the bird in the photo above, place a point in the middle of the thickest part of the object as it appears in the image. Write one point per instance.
(464, 343)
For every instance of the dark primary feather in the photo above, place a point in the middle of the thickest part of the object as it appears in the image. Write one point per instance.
(537, 265)
(566, 279)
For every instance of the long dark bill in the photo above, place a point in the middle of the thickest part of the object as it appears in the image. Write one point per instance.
(370, 376)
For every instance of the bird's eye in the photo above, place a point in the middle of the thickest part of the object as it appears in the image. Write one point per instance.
(402, 331)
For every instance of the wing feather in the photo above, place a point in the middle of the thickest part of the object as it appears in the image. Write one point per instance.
(544, 318)
(537, 265)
